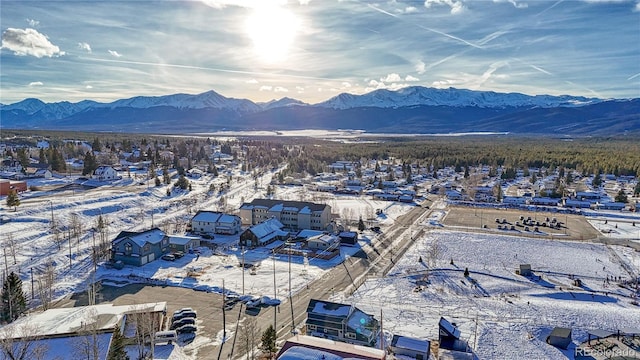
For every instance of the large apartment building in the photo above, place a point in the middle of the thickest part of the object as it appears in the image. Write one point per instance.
(294, 215)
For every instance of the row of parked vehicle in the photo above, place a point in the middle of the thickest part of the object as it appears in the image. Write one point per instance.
(173, 256)
(183, 321)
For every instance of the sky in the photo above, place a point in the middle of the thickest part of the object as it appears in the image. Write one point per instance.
(312, 50)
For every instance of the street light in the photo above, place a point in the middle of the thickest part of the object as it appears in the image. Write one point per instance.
(51, 207)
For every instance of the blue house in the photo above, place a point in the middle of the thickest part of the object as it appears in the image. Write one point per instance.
(139, 248)
(341, 322)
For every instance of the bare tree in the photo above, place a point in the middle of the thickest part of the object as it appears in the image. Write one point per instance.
(87, 344)
(249, 335)
(146, 324)
(19, 343)
(433, 253)
(45, 285)
(58, 239)
(12, 246)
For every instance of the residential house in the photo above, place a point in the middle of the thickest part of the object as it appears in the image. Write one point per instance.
(183, 243)
(323, 242)
(105, 173)
(294, 215)
(410, 347)
(560, 337)
(214, 222)
(341, 322)
(139, 248)
(263, 234)
(7, 186)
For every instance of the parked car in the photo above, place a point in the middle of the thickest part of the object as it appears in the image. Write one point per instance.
(182, 310)
(168, 257)
(178, 254)
(166, 336)
(185, 329)
(181, 322)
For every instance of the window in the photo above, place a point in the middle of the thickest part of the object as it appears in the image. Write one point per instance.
(311, 327)
(128, 249)
(147, 247)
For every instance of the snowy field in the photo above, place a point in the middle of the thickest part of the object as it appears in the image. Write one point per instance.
(503, 315)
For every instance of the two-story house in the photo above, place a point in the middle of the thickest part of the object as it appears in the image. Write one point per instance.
(139, 248)
(105, 173)
(214, 222)
(341, 322)
(263, 234)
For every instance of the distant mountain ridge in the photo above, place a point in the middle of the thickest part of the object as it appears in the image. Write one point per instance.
(408, 110)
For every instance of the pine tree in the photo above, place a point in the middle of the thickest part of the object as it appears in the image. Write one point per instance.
(13, 200)
(466, 272)
(269, 340)
(13, 300)
(361, 225)
(117, 350)
(90, 163)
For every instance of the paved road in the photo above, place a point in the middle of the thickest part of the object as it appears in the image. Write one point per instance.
(377, 260)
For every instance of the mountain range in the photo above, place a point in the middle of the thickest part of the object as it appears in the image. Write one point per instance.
(414, 110)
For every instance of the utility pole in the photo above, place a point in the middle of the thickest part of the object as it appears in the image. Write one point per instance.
(32, 283)
(293, 319)
(275, 293)
(242, 250)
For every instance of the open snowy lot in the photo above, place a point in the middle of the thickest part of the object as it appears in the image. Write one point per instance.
(501, 314)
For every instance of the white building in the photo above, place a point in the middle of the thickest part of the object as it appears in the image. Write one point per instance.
(105, 173)
(213, 222)
(293, 215)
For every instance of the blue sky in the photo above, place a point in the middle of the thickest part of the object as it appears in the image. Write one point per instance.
(312, 50)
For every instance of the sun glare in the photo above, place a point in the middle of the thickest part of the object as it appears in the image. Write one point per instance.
(272, 30)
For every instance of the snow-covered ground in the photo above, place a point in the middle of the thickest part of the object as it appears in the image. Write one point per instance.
(127, 205)
(501, 314)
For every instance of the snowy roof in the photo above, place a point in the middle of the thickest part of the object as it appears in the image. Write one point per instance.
(410, 343)
(305, 210)
(338, 349)
(63, 321)
(311, 207)
(267, 227)
(152, 236)
(303, 353)
(181, 240)
(68, 346)
(320, 307)
(306, 233)
(325, 238)
(445, 325)
(213, 216)
(361, 322)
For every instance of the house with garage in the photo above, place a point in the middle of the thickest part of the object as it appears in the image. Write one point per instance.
(213, 222)
(139, 248)
(341, 322)
(348, 238)
(105, 173)
(263, 234)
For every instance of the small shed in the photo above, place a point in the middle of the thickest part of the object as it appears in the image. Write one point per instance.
(560, 337)
(411, 347)
(525, 270)
(348, 238)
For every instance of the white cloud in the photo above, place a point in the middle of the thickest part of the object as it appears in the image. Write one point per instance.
(410, 9)
(88, 87)
(637, 7)
(36, 83)
(33, 23)
(457, 7)
(114, 53)
(220, 4)
(299, 89)
(444, 83)
(517, 5)
(84, 46)
(420, 67)
(346, 85)
(411, 78)
(251, 81)
(280, 89)
(393, 77)
(29, 42)
(266, 88)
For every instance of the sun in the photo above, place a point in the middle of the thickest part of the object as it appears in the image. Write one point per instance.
(272, 30)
